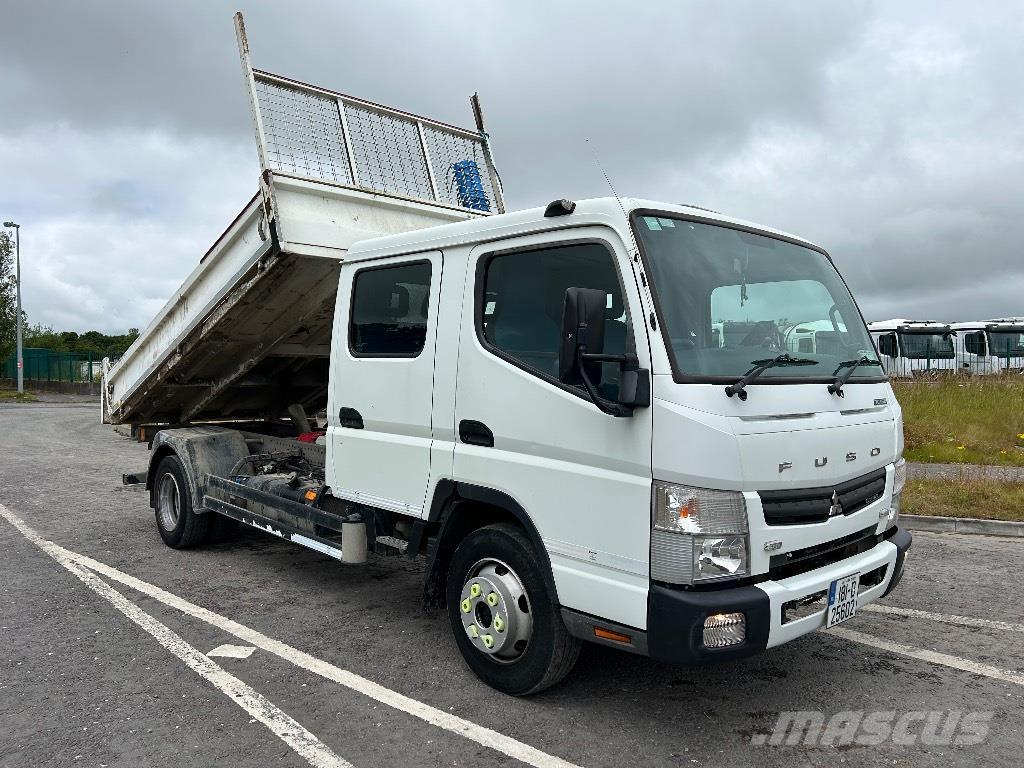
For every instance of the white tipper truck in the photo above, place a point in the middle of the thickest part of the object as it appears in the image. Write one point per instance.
(539, 403)
(915, 348)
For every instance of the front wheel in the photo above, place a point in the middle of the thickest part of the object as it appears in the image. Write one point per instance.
(506, 624)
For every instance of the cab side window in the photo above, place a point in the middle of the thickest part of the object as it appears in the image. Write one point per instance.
(389, 310)
(521, 306)
(974, 343)
(887, 345)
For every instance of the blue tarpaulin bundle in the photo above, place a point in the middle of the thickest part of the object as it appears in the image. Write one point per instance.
(469, 187)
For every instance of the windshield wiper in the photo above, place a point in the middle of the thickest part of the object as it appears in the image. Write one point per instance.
(836, 387)
(763, 365)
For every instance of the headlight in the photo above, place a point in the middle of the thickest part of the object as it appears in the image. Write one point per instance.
(699, 535)
(899, 476)
(899, 479)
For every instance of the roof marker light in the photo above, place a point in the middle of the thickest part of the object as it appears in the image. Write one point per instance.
(559, 208)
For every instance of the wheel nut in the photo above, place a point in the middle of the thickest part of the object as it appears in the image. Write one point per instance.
(499, 624)
(474, 590)
(492, 599)
(488, 641)
(472, 630)
(466, 606)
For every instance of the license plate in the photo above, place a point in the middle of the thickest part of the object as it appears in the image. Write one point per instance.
(842, 600)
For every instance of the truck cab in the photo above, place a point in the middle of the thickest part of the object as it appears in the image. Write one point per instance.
(913, 348)
(661, 515)
(990, 346)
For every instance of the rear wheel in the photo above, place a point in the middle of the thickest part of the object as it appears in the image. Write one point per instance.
(176, 520)
(506, 624)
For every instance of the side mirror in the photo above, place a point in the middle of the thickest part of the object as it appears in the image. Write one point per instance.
(635, 386)
(582, 351)
(582, 333)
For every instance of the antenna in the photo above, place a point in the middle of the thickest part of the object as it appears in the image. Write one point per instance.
(608, 181)
(604, 173)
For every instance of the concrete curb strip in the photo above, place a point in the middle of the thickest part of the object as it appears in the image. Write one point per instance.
(1006, 474)
(963, 525)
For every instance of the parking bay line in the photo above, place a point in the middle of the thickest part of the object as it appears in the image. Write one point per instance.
(482, 735)
(946, 618)
(282, 725)
(932, 657)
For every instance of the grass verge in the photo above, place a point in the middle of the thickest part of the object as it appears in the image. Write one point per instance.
(978, 499)
(964, 421)
(13, 396)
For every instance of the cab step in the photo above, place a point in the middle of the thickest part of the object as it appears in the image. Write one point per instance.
(393, 542)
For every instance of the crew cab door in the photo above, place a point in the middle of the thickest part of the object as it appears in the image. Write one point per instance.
(382, 370)
(582, 477)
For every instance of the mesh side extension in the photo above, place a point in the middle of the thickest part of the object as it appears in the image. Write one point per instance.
(303, 133)
(387, 153)
(460, 170)
(326, 136)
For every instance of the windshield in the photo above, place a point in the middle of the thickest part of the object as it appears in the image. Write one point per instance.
(730, 298)
(919, 346)
(1006, 344)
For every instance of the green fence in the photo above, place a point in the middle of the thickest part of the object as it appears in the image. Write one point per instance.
(49, 366)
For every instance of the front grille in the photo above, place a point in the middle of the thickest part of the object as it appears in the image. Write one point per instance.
(817, 602)
(805, 606)
(811, 505)
(819, 555)
(873, 578)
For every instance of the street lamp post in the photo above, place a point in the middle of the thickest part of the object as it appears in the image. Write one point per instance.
(17, 272)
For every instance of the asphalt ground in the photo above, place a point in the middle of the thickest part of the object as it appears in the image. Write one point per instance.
(107, 640)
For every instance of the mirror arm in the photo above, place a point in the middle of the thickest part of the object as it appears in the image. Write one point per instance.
(612, 409)
(603, 358)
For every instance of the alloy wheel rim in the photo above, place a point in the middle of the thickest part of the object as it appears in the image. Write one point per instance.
(169, 502)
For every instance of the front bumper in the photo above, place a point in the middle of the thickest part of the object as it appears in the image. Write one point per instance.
(675, 617)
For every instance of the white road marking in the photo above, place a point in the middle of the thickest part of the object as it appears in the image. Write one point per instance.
(487, 737)
(932, 657)
(946, 618)
(289, 730)
(229, 651)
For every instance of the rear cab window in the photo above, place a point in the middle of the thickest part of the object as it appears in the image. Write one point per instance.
(390, 307)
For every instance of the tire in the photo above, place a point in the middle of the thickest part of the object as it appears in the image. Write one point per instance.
(544, 652)
(179, 526)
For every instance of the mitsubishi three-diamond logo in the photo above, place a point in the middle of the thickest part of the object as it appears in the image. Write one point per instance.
(836, 508)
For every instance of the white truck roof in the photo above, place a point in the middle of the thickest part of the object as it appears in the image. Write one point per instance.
(897, 324)
(599, 210)
(978, 325)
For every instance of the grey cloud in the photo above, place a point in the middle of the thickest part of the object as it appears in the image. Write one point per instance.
(893, 134)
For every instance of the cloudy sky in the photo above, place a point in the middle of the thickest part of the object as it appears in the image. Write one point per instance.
(891, 133)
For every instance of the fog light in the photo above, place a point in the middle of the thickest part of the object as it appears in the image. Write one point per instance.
(724, 629)
(890, 515)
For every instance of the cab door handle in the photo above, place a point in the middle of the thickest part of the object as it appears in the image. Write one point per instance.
(475, 433)
(351, 418)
